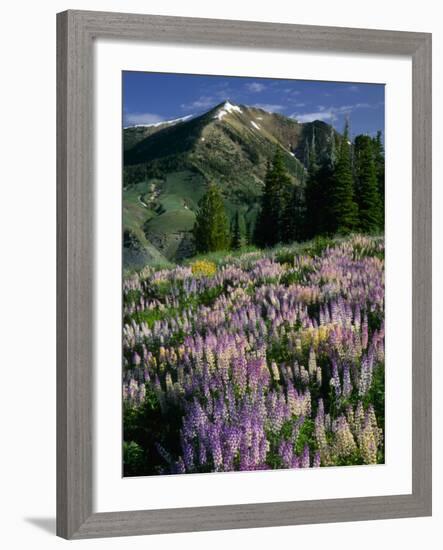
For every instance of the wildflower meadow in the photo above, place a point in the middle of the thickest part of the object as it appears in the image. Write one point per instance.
(256, 359)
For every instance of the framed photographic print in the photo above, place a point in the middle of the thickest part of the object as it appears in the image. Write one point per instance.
(244, 274)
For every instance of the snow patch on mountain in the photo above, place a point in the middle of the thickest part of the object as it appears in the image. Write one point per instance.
(256, 126)
(225, 109)
(156, 124)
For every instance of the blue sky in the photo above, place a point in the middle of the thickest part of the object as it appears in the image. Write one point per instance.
(153, 97)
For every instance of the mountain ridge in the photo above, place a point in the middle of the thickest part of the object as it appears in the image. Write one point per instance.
(166, 169)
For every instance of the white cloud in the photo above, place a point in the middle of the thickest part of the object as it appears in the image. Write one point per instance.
(203, 102)
(286, 90)
(270, 107)
(319, 115)
(223, 93)
(330, 113)
(143, 118)
(255, 87)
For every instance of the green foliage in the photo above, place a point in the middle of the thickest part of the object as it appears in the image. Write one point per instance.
(133, 296)
(133, 458)
(318, 245)
(147, 428)
(208, 296)
(319, 217)
(305, 436)
(238, 239)
(376, 394)
(211, 231)
(150, 316)
(379, 160)
(342, 190)
(272, 221)
(343, 206)
(366, 185)
(295, 216)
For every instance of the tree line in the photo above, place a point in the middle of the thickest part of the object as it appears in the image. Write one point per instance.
(342, 192)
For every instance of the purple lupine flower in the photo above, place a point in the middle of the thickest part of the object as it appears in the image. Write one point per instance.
(335, 379)
(347, 384)
(364, 332)
(215, 447)
(365, 374)
(188, 454)
(286, 453)
(179, 467)
(305, 459)
(136, 359)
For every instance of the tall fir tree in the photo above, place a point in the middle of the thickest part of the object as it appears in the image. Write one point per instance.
(271, 227)
(211, 229)
(287, 211)
(306, 157)
(366, 186)
(344, 210)
(249, 232)
(379, 159)
(296, 215)
(266, 217)
(326, 216)
(237, 234)
(312, 195)
(317, 195)
(332, 147)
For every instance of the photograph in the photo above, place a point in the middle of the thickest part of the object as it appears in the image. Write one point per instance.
(221, 263)
(253, 292)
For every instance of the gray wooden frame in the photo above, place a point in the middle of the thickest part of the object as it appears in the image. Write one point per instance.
(76, 31)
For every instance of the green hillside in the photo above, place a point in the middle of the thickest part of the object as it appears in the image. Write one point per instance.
(167, 167)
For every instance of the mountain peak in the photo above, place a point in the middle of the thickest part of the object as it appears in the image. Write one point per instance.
(225, 108)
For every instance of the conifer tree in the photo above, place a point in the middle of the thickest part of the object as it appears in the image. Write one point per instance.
(379, 159)
(284, 201)
(271, 226)
(266, 215)
(312, 196)
(211, 230)
(237, 237)
(332, 147)
(318, 196)
(249, 232)
(296, 215)
(344, 211)
(306, 157)
(367, 194)
(326, 216)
